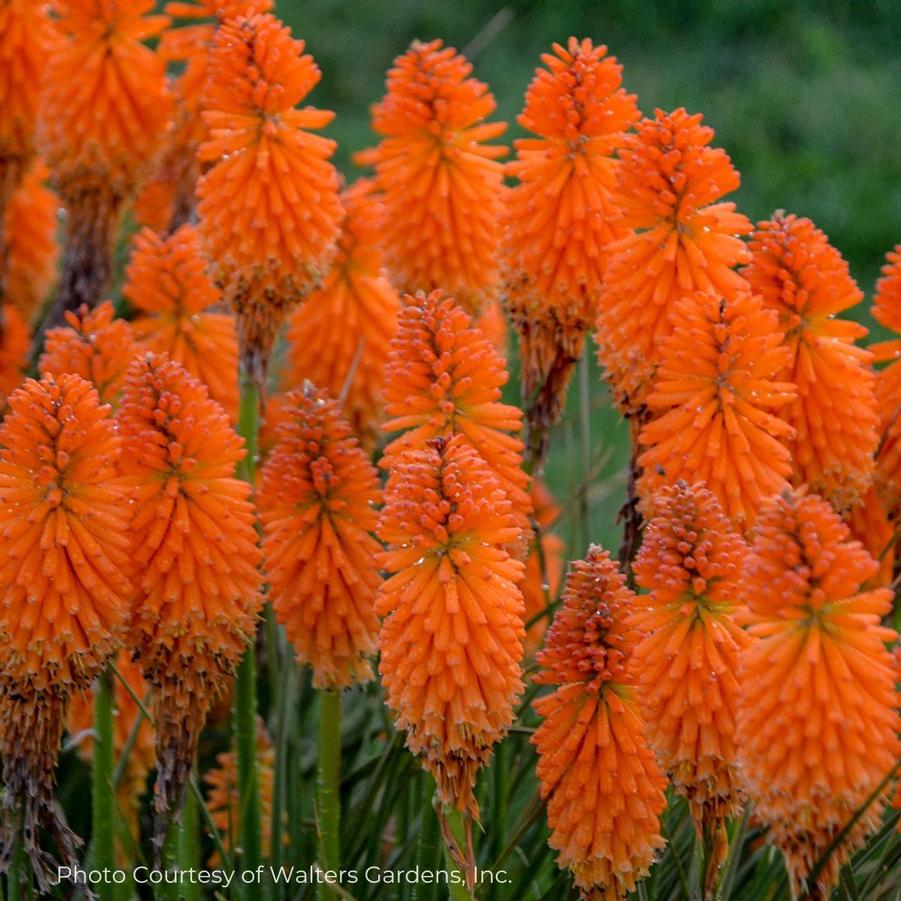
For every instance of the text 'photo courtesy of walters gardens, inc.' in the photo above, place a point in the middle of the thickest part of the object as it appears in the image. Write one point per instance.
(263, 874)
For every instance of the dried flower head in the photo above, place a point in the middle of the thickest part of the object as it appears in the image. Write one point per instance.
(558, 217)
(317, 501)
(686, 661)
(167, 282)
(443, 377)
(817, 718)
(94, 345)
(681, 238)
(603, 789)
(269, 206)
(441, 183)
(195, 547)
(339, 338)
(716, 401)
(65, 589)
(806, 281)
(451, 641)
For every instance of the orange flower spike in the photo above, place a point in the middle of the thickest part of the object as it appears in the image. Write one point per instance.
(452, 639)
(544, 565)
(806, 281)
(31, 247)
(94, 345)
(444, 377)
(105, 108)
(317, 503)
(65, 588)
(349, 361)
(887, 311)
(558, 217)
(195, 547)
(869, 524)
(224, 803)
(167, 282)
(24, 43)
(441, 184)
(603, 789)
(269, 207)
(817, 719)
(686, 661)
(716, 400)
(14, 348)
(166, 200)
(681, 238)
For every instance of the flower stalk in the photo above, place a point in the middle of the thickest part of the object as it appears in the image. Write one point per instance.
(103, 795)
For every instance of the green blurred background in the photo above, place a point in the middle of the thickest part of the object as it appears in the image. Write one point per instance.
(805, 96)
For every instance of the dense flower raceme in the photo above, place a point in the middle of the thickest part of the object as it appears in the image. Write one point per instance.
(444, 377)
(716, 402)
(194, 544)
(339, 338)
(31, 248)
(166, 199)
(167, 283)
(686, 662)
(441, 183)
(14, 346)
(104, 109)
(806, 281)
(65, 587)
(452, 639)
(94, 345)
(544, 565)
(869, 521)
(269, 206)
(603, 788)
(559, 214)
(887, 312)
(681, 238)
(24, 43)
(317, 502)
(817, 718)
(223, 799)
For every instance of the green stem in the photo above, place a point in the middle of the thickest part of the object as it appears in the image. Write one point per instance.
(428, 850)
(457, 889)
(17, 870)
(328, 785)
(245, 707)
(103, 798)
(189, 846)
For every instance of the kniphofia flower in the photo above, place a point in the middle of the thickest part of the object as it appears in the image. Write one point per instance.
(544, 565)
(104, 111)
(716, 403)
(558, 218)
(223, 799)
(24, 43)
(887, 312)
(166, 200)
(317, 501)
(806, 281)
(869, 524)
(686, 660)
(681, 237)
(94, 345)
(817, 719)
(452, 639)
(441, 183)
(14, 347)
(444, 377)
(31, 247)
(269, 206)
(167, 282)
(195, 548)
(348, 360)
(65, 589)
(603, 789)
